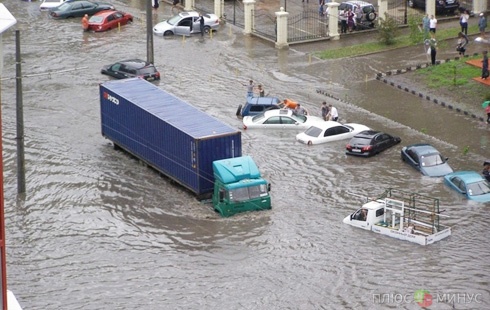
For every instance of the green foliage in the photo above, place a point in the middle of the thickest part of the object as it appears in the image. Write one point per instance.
(423, 130)
(417, 34)
(487, 97)
(466, 149)
(387, 30)
(446, 75)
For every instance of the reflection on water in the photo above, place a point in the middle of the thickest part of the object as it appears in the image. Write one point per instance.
(115, 235)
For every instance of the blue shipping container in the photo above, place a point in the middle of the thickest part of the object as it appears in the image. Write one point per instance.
(166, 132)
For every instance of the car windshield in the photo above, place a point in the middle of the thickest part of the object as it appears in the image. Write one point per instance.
(298, 118)
(173, 20)
(52, 1)
(96, 19)
(431, 160)
(258, 117)
(478, 188)
(313, 131)
(64, 7)
(360, 141)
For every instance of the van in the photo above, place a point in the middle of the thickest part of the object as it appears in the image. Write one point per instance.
(257, 105)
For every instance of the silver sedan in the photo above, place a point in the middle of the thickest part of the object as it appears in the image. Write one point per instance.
(186, 23)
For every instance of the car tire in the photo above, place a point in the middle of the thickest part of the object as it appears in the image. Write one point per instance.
(168, 33)
(239, 110)
(371, 16)
(207, 29)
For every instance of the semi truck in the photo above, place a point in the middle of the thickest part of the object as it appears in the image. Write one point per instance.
(239, 186)
(167, 133)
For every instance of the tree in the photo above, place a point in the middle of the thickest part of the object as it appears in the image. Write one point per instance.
(387, 30)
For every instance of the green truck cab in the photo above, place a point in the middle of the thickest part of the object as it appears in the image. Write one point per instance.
(239, 186)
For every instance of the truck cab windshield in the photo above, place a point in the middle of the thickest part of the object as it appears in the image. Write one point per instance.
(247, 193)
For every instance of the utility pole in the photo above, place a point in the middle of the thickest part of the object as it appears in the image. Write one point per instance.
(21, 170)
(149, 33)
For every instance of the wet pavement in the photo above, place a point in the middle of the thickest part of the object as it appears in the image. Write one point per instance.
(98, 230)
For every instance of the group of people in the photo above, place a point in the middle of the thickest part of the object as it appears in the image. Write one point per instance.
(329, 113)
(252, 90)
(349, 19)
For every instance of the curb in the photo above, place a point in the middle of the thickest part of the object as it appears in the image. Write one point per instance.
(383, 77)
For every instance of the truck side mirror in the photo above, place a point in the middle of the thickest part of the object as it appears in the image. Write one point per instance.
(447, 158)
(269, 187)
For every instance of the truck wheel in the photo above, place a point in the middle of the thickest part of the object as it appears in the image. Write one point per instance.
(371, 16)
(239, 110)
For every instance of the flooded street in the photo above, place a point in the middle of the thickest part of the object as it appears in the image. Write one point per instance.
(99, 230)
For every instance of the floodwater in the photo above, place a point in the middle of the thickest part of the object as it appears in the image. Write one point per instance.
(98, 230)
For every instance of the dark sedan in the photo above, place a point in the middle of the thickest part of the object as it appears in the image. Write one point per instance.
(132, 68)
(370, 142)
(426, 159)
(78, 9)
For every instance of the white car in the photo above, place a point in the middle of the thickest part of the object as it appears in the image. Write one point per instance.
(48, 4)
(186, 23)
(280, 119)
(329, 131)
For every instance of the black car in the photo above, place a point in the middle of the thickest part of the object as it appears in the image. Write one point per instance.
(369, 142)
(78, 9)
(132, 68)
(442, 6)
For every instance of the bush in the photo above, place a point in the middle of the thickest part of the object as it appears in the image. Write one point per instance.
(417, 34)
(387, 30)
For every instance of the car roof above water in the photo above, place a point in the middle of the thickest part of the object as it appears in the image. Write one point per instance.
(263, 100)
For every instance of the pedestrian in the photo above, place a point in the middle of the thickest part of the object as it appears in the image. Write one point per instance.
(299, 110)
(426, 25)
(261, 90)
(250, 88)
(350, 20)
(321, 7)
(85, 22)
(463, 21)
(334, 114)
(432, 48)
(155, 4)
(487, 110)
(201, 24)
(484, 67)
(343, 21)
(462, 42)
(482, 24)
(432, 24)
(325, 111)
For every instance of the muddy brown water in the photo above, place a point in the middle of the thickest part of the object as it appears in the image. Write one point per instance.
(98, 230)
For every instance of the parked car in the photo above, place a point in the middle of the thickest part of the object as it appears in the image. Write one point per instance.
(469, 183)
(48, 4)
(328, 131)
(280, 119)
(78, 9)
(186, 23)
(368, 143)
(426, 159)
(368, 15)
(442, 6)
(107, 20)
(257, 105)
(132, 68)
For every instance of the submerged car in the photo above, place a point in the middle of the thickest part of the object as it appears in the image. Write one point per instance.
(469, 183)
(328, 131)
(368, 143)
(107, 20)
(257, 105)
(132, 68)
(186, 23)
(426, 159)
(48, 4)
(280, 119)
(78, 9)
